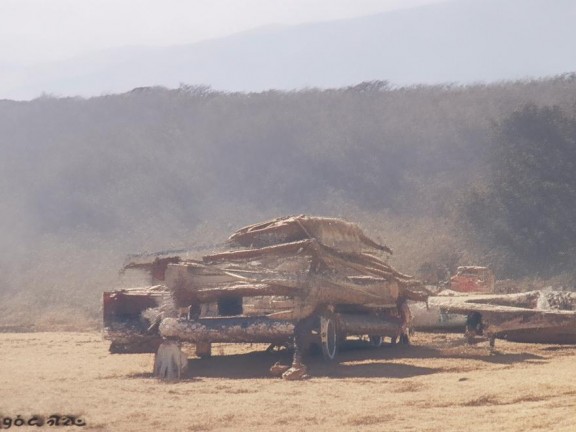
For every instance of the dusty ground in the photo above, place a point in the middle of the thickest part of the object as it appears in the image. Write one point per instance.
(437, 385)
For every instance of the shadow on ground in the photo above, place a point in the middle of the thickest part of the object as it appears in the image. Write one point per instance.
(356, 360)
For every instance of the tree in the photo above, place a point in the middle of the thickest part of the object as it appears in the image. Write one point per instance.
(528, 207)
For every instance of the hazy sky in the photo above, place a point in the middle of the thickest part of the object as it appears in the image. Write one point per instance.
(41, 30)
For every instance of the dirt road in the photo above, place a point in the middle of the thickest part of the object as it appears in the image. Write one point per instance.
(439, 384)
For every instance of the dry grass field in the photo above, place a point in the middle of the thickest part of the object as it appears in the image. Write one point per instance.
(438, 384)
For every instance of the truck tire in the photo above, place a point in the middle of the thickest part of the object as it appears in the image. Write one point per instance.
(376, 341)
(474, 327)
(404, 339)
(329, 336)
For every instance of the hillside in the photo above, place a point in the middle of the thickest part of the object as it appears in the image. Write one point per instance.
(460, 41)
(84, 182)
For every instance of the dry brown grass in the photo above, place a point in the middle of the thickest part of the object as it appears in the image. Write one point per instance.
(436, 385)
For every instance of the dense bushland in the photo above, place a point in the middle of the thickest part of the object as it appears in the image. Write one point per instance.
(527, 205)
(443, 174)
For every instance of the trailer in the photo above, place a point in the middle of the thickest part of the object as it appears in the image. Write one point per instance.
(541, 316)
(470, 305)
(296, 281)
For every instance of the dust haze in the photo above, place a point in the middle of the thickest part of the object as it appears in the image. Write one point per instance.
(316, 44)
(446, 131)
(84, 182)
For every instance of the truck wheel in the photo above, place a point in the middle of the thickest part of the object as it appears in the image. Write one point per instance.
(404, 339)
(204, 349)
(376, 341)
(329, 336)
(474, 327)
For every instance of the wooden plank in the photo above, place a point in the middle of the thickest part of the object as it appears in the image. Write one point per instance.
(243, 290)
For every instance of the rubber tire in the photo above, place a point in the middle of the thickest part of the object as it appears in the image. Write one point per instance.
(404, 340)
(474, 327)
(329, 337)
(474, 323)
(204, 350)
(376, 341)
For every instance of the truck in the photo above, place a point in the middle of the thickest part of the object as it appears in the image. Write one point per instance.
(298, 281)
(472, 306)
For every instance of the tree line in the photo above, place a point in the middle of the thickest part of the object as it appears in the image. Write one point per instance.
(478, 174)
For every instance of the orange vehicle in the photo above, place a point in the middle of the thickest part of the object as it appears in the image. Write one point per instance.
(473, 279)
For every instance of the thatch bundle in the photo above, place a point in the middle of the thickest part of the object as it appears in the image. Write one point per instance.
(311, 260)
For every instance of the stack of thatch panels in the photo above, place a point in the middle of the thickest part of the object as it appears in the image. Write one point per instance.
(300, 262)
